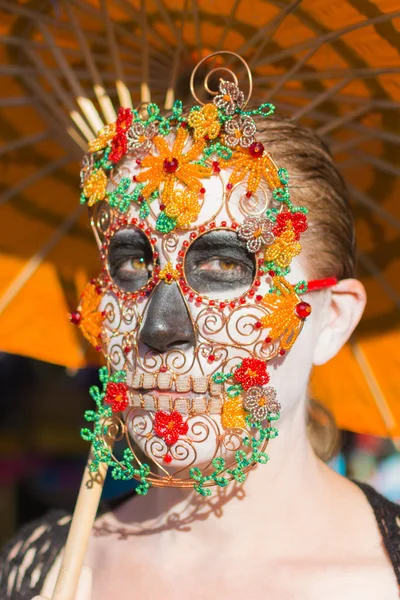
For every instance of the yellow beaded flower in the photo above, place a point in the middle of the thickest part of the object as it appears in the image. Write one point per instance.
(255, 162)
(284, 322)
(168, 274)
(205, 122)
(284, 248)
(233, 414)
(171, 166)
(183, 206)
(88, 317)
(95, 187)
(104, 137)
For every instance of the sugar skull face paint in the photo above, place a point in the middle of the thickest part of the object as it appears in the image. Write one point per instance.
(197, 231)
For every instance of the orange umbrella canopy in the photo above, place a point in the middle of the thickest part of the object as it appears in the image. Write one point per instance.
(66, 67)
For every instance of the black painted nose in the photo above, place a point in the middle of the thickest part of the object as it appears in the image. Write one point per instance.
(167, 323)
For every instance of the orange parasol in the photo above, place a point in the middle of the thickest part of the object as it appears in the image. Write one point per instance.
(65, 68)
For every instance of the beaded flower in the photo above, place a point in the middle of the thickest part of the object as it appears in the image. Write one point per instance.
(183, 206)
(172, 166)
(240, 132)
(284, 248)
(256, 232)
(95, 187)
(124, 119)
(168, 273)
(140, 137)
(205, 122)
(117, 396)
(255, 162)
(260, 401)
(252, 371)
(230, 97)
(88, 318)
(233, 414)
(298, 221)
(287, 315)
(169, 426)
(104, 138)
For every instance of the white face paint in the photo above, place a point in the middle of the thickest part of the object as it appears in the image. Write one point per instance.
(213, 288)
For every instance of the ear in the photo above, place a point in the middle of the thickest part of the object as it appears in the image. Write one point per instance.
(342, 314)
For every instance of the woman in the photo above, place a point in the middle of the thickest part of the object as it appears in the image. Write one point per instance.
(295, 528)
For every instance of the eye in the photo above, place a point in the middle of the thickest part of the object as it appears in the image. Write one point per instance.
(130, 259)
(218, 262)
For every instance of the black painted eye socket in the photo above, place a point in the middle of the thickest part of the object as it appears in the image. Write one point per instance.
(219, 264)
(130, 259)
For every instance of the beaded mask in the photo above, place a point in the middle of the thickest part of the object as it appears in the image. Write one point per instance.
(196, 231)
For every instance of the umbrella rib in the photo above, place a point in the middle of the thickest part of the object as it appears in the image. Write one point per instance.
(322, 97)
(378, 163)
(170, 95)
(28, 181)
(34, 263)
(375, 389)
(15, 101)
(348, 144)
(326, 38)
(61, 93)
(363, 198)
(318, 75)
(195, 11)
(343, 120)
(122, 89)
(28, 140)
(86, 105)
(228, 25)
(98, 86)
(345, 98)
(145, 95)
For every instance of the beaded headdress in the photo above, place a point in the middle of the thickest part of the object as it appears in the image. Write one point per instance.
(147, 174)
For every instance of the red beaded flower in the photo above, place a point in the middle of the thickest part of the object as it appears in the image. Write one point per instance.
(298, 220)
(124, 120)
(169, 426)
(117, 396)
(251, 373)
(119, 147)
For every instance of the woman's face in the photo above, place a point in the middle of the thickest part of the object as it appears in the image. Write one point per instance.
(201, 317)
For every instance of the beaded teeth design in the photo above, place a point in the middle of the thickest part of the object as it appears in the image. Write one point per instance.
(148, 172)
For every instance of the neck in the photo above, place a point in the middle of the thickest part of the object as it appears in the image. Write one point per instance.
(284, 492)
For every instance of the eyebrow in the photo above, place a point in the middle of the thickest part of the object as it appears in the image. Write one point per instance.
(128, 237)
(217, 240)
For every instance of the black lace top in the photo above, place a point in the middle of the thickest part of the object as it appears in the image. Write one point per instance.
(26, 560)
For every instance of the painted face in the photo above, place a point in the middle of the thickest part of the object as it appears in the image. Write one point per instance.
(197, 232)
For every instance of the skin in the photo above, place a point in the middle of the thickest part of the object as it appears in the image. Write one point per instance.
(295, 529)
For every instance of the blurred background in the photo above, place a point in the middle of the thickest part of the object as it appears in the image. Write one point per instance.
(65, 68)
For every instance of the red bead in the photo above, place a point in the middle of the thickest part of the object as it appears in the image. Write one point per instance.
(223, 223)
(148, 231)
(222, 305)
(249, 194)
(257, 283)
(162, 206)
(193, 235)
(229, 186)
(191, 295)
(138, 161)
(303, 310)
(232, 304)
(141, 225)
(271, 273)
(251, 293)
(202, 229)
(259, 298)
(184, 124)
(211, 303)
(256, 149)
(134, 221)
(282, 351)
(168, 277)
(199, 299)
(140, 199)
(235, 225)
(170, 166)
(212, 225)
(211, 358)
(185, 244)
(216, 166)
(98, 348)
(258, 325)
(153, 241)
(268, 340)
(202, 190)
(75, 317)
(163, 369)
(181, 253)
(155, 254)
(134, 178)
(127, 349)
(99, 290)
(167, 458)
(242, 300)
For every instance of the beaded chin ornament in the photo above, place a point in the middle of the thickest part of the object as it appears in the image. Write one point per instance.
(167, 183)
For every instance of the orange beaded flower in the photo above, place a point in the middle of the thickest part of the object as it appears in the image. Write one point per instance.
(233, 414)
(183, 206)
(205, 122)
(95, 187)
(168, 273)
(172, 166)
(287, 315)
(255, 162)
(104, 137)
(88, 318)
(284, 248)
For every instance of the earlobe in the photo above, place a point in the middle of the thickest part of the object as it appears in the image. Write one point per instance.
(344, 311)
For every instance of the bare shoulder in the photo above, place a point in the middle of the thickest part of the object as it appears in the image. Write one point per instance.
(27, 558)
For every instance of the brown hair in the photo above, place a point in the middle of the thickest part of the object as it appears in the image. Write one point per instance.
(315, 182)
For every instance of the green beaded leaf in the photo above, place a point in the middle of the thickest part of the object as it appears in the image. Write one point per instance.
(234, 390)
(144, 210)
(153, 110)
(220, 377)
(165, 224)
(164, 127)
